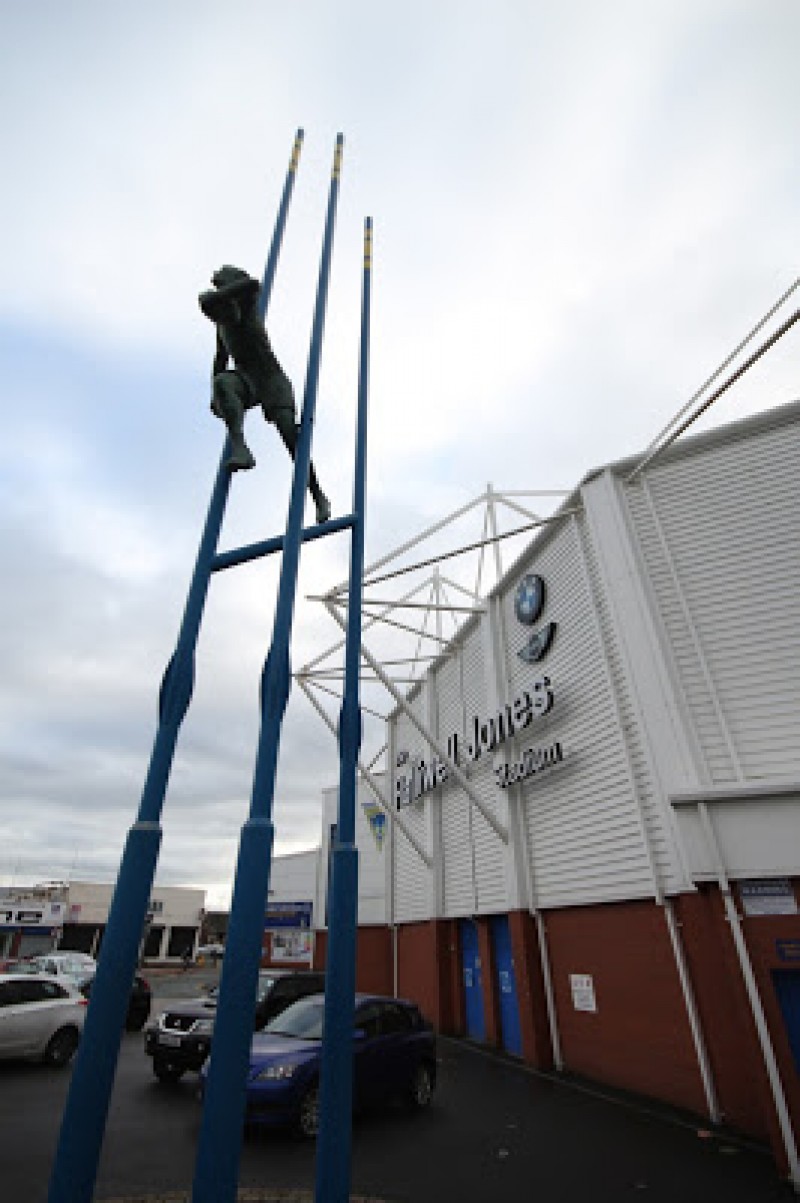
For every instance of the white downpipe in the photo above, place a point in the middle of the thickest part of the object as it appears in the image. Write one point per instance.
(394, 961)
(767, 1051)
(370, 780)
(496, 826)
(712, 1102)
(552, 1014)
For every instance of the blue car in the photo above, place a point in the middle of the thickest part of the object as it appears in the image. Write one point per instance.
(394, 1056)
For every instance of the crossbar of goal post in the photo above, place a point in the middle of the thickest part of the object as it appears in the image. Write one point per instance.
(217, 1162)
(86, 1110)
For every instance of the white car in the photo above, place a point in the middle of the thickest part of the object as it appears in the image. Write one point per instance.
(75, 966)
(211, 950)
(41, 1017)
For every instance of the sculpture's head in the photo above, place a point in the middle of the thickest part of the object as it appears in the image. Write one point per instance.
(228, 275)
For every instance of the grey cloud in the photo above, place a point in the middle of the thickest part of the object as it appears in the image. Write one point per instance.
(578, 212)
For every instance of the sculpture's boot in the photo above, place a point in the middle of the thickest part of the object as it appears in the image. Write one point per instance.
(320, 500)
(241, 457)
(323, 508)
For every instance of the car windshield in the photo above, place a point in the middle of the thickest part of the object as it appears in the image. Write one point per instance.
(265, 983)
(303, 1020)
(29, 967)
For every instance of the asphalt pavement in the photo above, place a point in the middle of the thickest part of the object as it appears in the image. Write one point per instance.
(495, 1131)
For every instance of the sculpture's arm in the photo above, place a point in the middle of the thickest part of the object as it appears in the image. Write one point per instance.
(220, 358)
(230, 302)
(219, 365)
(239, 290)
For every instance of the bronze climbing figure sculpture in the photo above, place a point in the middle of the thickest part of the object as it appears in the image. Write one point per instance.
(256, 377)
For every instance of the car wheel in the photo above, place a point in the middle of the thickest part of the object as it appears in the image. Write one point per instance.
(167, 1071)
(61, 1047)
(421, 1089)
(308, 1116)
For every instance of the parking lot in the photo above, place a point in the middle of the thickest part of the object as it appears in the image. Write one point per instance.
(494, 1131)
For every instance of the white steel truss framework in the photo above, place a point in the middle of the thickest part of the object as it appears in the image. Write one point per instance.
(428, 624)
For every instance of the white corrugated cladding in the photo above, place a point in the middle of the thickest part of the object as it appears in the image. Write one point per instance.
(719, 531)
(413, 880)
(488, 850)
(584, 827)
(458, 858)
(656, 813)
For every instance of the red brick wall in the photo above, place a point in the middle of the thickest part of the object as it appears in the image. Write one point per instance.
(536, 1043)
(734, 1050)
(639, 1039)
(428, 967)
(428, 971)
(727, 1024)
(417, 968)
(761, 933)
(374, 971)
(451, 1013)
(491, 1002)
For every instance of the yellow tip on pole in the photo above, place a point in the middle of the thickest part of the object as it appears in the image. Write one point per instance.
(298, 146)
(367, 243)
(337, 158)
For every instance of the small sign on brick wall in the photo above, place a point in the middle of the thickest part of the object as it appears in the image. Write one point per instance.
(583, 997)
(770, 896)
(788, 950)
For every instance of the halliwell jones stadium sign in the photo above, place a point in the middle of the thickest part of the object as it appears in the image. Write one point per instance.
(484, 736)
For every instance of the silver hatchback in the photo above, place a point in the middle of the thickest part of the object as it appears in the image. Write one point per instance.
(41, 1017)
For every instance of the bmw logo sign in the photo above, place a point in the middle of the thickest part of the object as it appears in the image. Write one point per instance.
(529, 599)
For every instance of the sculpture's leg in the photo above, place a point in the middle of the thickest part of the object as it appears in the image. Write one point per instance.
(320, 500)
(229, 402)
(284, 420)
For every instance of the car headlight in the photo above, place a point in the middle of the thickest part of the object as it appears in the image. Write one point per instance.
(273, 1073)
(204, 1027)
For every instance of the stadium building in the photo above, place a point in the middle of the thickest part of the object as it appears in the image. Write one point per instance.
(594, 862)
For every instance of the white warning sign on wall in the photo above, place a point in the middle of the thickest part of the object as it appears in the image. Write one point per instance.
(583, 996)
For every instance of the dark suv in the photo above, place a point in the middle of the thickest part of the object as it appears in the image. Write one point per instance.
(180, 1038)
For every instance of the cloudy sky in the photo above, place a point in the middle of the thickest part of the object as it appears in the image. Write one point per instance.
(579, 210)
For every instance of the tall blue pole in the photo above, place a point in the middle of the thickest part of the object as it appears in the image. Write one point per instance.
(280, 224)
(217, 1164)
(86, 1109)
(336, 1076)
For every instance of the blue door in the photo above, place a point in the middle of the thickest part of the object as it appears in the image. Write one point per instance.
(506, 983)
(787, 988)
(473, 982)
